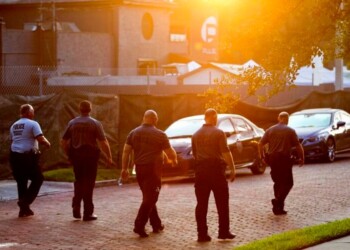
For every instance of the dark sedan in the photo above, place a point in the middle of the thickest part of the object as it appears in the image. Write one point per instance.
(323, 132)
(243, 137)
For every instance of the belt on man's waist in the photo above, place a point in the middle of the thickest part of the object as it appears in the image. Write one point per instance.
(211, 163)
(32, 151)
(145, 165)
(282, 154)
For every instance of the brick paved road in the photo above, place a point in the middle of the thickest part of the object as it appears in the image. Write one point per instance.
(320, 194)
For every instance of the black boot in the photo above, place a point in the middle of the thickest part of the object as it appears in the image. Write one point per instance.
(278, 207)
(76, 212)
(203, 238)
(24, 210)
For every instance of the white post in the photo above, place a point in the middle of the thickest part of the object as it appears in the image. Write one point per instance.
(338, 63)
(148, 83)
(339, 74)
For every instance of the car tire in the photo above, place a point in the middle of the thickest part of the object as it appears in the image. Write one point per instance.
(258, 167)
(330, 153)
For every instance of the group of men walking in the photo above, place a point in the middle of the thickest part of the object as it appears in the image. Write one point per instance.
(148, 147)
(82, 141)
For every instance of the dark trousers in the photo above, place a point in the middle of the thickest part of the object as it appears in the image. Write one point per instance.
(149, 181)
(84, 162)
(282, 176)
(206, 181)
(26, 167)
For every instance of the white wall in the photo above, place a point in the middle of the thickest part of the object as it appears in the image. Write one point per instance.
(205, 76)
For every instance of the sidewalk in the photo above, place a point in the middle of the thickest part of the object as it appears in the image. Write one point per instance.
(311, 202)
(339, 244)
(8, 189)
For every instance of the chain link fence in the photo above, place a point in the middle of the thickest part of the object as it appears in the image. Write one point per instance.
(43, 80)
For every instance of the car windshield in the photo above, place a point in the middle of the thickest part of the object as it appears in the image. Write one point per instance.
(309, 120)
(184, 128)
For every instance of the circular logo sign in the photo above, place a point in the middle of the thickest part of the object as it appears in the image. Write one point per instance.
(209, 29)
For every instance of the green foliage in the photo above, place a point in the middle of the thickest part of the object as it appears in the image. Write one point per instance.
(301, 238)
(222, 96)
(227, 90)
(67, 175)
(282, 36)
(62, 174)
(272, 82)
(275, 31)
(107, 174)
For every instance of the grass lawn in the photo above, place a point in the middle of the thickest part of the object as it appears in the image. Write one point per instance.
(301, 238)
(67, 175)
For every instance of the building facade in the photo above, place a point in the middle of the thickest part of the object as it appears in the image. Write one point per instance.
(131, 37)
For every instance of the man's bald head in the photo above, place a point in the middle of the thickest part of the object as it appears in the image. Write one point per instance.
(211, 116)
(85, 107)
(150, 117)
(27, 111)
(283, 117)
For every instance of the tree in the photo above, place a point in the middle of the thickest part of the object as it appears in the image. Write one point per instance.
(283, 36)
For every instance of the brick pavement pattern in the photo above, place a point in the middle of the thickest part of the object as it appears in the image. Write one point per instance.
(321, 194)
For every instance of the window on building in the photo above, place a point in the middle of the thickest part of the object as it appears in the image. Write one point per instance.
(178, 37)
(147, 66)
(178, 26)
(178, 34)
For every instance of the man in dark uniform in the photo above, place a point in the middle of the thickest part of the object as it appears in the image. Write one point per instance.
(25, 134)
(148, 145)
(212, 156)
(280, 140)
(82, 141)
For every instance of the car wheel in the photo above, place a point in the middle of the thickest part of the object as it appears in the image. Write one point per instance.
(258, 167)
(330, 153)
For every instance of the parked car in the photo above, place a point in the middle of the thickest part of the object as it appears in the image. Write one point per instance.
(323, 132)
(243, 137)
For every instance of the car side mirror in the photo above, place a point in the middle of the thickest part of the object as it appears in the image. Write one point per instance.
(228, 134)
(340, 124)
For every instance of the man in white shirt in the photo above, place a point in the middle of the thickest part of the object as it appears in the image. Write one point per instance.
(25, 136)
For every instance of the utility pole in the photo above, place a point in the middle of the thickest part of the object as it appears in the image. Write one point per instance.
(2, 70)
(338, 63)
(54, 35)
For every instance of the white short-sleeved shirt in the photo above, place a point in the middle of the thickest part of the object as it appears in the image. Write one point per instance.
(23, 134)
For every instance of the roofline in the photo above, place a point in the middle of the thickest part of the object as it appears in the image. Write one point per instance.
(203, 67)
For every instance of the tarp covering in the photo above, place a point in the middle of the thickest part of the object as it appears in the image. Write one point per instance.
(168, 108)
(120, 114)
(265, 117)
(53, 113)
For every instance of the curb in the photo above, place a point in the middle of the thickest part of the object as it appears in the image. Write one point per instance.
(106, 183)
(132, 179)
(114, 182)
